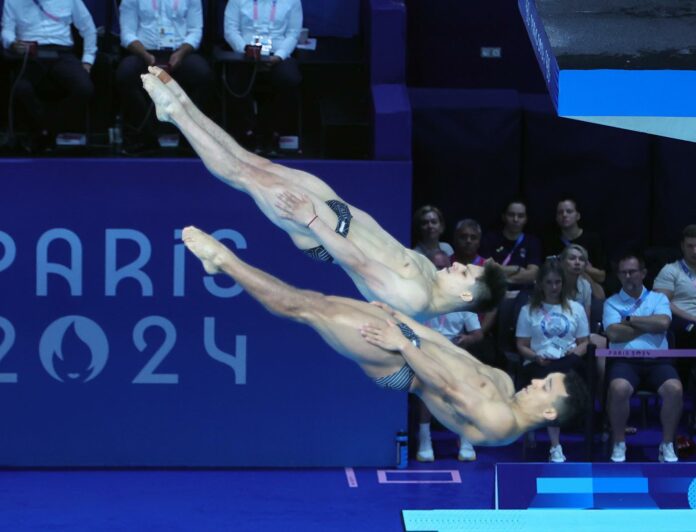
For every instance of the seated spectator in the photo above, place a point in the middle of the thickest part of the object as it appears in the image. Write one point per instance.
(467, 241)
(552, 335)
(569, 232)
(428, 226)
(275, 24)
(636, 318)
(164, 33)
(518, 253)
(581, 287)
(464, 330)
(678, 282)
(48, 24)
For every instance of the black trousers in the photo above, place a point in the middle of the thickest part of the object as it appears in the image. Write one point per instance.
(140, 123)
(277, 113)
(685, 338)
(64, 73)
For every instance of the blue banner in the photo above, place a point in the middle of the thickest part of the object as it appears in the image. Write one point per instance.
(116, 349)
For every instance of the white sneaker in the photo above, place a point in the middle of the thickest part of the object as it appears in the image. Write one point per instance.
(666, 453)
(556, 454)
(618, 454)
(426, 455)
(467, 453)
(425, 451)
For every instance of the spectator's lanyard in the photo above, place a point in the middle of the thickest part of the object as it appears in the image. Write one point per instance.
(687, 271)
(478, 261)
(514, 248)
(565, 241)
(636, 305)
(271, 18)
(175, 6)
(49, 15)
(547, 318)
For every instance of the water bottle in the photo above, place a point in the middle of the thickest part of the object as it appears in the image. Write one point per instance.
(116, 132)
(401, 449)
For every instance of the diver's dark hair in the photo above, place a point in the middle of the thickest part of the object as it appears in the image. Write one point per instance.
(489, 289)
(572, 406)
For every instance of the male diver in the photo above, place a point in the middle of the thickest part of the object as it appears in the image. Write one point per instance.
(476, 401)
(321, 223)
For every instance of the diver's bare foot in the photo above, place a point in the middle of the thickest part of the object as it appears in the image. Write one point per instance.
(171, 84)
(166, 103)
(205, 247)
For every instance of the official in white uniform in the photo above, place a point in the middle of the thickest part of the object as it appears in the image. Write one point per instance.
(166, 33)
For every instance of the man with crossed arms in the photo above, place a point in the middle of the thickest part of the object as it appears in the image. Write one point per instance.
(637, 318)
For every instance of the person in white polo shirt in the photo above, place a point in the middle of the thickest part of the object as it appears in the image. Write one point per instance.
(677, 281)
(637, 318)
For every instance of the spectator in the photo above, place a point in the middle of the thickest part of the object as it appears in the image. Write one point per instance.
(428, 226)
(581, 287)
(462, 329)
(636, 318)
(552, 335)
(48, 25)
(467, 241)
(569, 232)
(519, 254)
(276, 24)
(164, 33)
(678, 282)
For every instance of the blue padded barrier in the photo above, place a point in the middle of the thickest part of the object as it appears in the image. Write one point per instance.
(392, 122)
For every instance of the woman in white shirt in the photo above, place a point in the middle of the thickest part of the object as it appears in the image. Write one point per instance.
(552, 334)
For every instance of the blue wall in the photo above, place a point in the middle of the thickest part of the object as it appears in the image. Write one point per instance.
(247, 389)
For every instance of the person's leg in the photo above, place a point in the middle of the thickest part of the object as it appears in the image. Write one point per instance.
(71, 76)
(664, 379)
(425, 445)
(26, 98)
(262, 185)
(217, 144)
(623, 380)
(138, 118)
(206, 124)
(196, 78)
(618, 407)
(336, 321)
(285, 80)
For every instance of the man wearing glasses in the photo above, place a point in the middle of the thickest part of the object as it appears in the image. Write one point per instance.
(637, 318)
